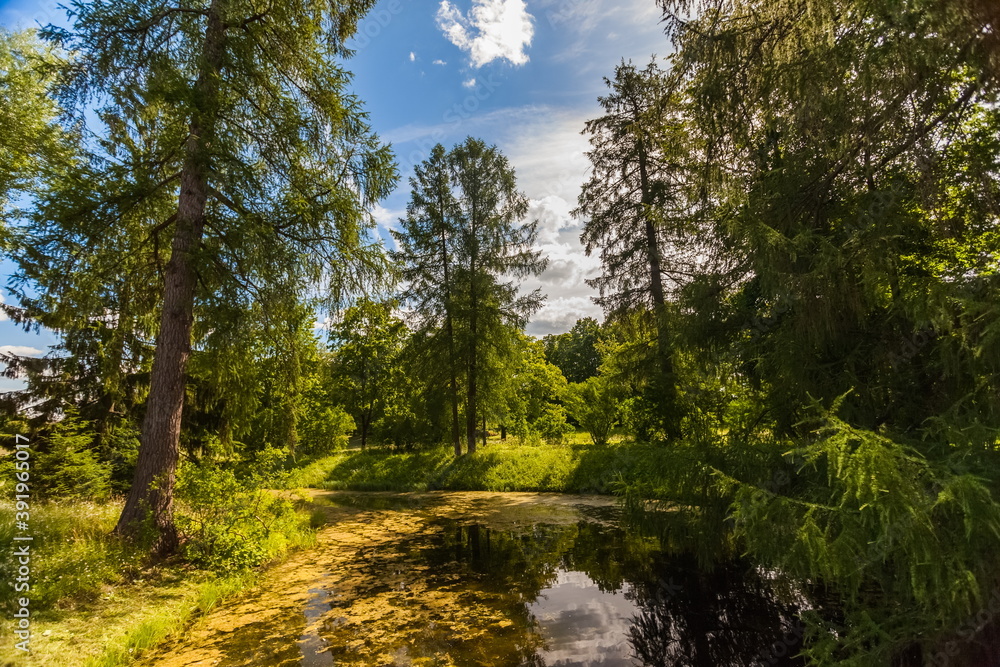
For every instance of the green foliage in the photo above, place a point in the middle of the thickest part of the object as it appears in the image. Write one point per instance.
(74, 554)
(66, 466)
(463, 247)
(230, 522)
(551, 423)
(325, 430)
(367, 344)
(375, 470)
(32, 143)
(575, 352)
(594, 404)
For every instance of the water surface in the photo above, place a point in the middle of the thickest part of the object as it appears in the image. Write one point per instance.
(488, 579)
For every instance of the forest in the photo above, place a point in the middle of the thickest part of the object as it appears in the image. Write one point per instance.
(796, 211)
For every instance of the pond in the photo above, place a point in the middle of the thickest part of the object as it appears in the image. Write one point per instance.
(477, 579)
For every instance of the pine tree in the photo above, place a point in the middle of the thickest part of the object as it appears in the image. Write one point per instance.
(264, 157)
(463, 247)
(629, 205)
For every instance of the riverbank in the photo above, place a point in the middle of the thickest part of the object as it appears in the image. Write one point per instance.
(559, 468)
(95, 602)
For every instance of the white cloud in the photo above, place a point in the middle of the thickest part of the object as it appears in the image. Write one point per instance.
(440, 62)
(492, 30)
(560, 313)
(21, 350)
(387, 218)
(3, 315)
(471, 83)
(413, 56)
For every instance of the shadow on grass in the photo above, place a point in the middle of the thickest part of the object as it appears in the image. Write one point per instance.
(576, 468)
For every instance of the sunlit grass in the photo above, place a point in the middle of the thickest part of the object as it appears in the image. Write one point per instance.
(95, 600)
(574, 466)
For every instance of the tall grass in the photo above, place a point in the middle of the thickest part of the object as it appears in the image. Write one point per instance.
(74, 556)
(574, 467)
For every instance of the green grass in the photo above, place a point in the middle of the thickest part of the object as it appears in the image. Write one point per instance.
(95, 600)
(575, 467)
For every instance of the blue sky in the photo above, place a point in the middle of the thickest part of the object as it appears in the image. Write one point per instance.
(522, 75)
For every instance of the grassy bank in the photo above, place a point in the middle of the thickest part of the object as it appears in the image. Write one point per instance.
(94, 600)
(563, 468)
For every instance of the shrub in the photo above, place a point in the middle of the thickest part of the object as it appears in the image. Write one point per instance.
(229, 522)
(325, 431)
(67, 467)
(552, 424)
(594, 404)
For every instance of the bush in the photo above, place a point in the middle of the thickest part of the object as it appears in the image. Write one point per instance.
(66, 467)
(552, 424)
(325, 431)
(230, 523)
(594, 404)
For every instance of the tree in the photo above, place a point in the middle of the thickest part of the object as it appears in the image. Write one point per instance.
(32, 144)
(575, 352)
(462, 251)
(366, 345)
(427, 241)
(492, 247)
(594, 404)
(631, 204)
(852, 301)
(247, 129)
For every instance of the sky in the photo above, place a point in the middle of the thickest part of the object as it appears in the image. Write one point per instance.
(524, 76)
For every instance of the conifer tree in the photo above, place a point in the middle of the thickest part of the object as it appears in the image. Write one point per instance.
(240, 118)
(463, 247)
(629, 205)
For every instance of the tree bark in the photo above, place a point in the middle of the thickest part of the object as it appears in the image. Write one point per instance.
(450, 332)
(149, 505)
(667, 381)
(470, 404)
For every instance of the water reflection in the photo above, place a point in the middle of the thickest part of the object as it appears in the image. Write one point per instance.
(581, 594)
(497, 580)
(582, 625)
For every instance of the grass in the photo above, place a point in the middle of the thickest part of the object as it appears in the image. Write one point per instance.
(94, 600)
(575, 466)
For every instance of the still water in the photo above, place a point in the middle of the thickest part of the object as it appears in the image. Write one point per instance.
(483, 579)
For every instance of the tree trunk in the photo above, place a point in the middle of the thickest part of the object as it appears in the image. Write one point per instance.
(151, 495)
(667, 388)
(456, 436)
(470, 408)
(484, 430)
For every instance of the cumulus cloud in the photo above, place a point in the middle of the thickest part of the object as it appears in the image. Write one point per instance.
(440, 62)
(21, 350)
(3, 315)
(471, 83)
(492, 30)
(413, 56)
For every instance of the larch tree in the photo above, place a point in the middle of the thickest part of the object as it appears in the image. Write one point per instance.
(629, 204)
(495, 251)
(249, 131)
(463, 248)
(426, 251)
(32, 143)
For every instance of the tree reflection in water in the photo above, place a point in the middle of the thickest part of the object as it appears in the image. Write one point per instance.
(575, 590)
